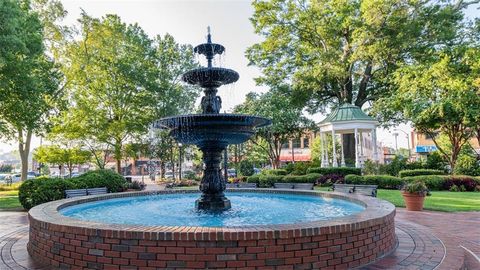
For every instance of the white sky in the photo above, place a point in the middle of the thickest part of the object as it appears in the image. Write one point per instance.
(187, 22)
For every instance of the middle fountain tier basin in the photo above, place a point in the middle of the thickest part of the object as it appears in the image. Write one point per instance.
(217, 129)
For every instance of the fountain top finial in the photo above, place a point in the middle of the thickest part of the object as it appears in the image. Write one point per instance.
(209, 36)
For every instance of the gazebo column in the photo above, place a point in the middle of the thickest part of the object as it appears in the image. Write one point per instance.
(324, 154)
(342, 155)
(374, 143)
(357, 161)
(334, 154)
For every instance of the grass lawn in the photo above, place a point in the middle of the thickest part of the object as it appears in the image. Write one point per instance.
(9, 200)
(444, 201)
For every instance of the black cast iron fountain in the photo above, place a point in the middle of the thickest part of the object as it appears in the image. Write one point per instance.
(211, 131)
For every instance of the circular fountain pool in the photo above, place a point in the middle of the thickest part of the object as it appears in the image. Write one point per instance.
(248, 209)
(298, 234)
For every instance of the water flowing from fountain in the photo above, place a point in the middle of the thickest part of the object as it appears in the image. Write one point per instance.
(211, 130)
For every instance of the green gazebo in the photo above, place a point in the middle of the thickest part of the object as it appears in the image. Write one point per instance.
(348, 119)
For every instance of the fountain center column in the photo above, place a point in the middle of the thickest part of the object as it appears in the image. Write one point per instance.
(213, 183)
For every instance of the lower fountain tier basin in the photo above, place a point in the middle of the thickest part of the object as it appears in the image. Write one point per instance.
(210, 77)
(212, 129)
(348, 241)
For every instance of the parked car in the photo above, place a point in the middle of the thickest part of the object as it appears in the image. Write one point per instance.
(4, 178)
(232, 173)
(16, 177)
(168, 175)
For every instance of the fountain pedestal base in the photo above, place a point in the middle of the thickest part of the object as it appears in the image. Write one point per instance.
(213, 203)
(213, 183)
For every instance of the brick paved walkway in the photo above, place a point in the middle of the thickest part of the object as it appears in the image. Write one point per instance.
(427, 240)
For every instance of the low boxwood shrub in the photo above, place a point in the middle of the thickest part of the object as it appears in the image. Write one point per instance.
(275, 172)
(308, 178)
(41, 190)
(433, 182)
(330, 179)
(417, 172)
(336, 170)
(267, 181)
(37, 191)
(254, 179)
(100, 178)
(382, 181)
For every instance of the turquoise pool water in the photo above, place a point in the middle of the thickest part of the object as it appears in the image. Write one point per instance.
(247, 209)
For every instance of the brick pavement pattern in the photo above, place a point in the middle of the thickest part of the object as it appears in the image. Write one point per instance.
(452, 229)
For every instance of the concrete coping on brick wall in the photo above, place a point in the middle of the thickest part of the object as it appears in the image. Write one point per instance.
(377, 212)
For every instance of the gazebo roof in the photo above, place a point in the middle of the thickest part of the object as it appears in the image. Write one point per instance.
(347, 112)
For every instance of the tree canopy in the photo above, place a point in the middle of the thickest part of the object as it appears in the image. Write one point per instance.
(29, 79)
(440, 96)
(119, 82)
(337, 51)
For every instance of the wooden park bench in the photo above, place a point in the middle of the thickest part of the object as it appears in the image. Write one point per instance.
(300, 186)
(283, 185)
(71, 193)
(368, 190)
(97, 191)
(303, 186)
(241, 185)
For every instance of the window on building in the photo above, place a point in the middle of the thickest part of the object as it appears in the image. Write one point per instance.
(306, 142)
(296, 143)
(286, 145)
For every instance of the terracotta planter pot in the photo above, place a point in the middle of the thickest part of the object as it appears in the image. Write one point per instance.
(413, 201)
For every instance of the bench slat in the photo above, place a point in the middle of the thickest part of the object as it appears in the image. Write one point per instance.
(303, 186)
(70, 193)
(370, 190)
(283, 185)
(96, 191)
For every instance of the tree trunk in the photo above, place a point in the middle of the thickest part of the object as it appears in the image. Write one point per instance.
(24, 150)
(118, 156)
(162, 169)
(172, 161)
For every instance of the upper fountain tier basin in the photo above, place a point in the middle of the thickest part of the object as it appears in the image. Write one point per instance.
(207, 129)
(209, 49)
(210, 77)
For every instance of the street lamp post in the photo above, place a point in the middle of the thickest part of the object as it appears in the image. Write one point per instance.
(396, 144)
(408, 142)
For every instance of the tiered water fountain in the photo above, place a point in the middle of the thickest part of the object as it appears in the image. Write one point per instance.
(211, 131)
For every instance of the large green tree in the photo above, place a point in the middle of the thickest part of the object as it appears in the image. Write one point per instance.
(440, 96)
(62, 156)
(29, 79)
(120, 81)
(287, 120)
(345, 51)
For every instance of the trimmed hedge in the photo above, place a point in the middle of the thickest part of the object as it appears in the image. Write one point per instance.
(266, 181)
(417, 172)
(469, 183)
(335, 170)
(433, 182)
(275, 172)
(330, 179)
(41, 190)
(445, 182)
(308, 178)
(382, 181)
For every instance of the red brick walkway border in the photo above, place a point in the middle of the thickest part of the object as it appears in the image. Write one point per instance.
(344, 243)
